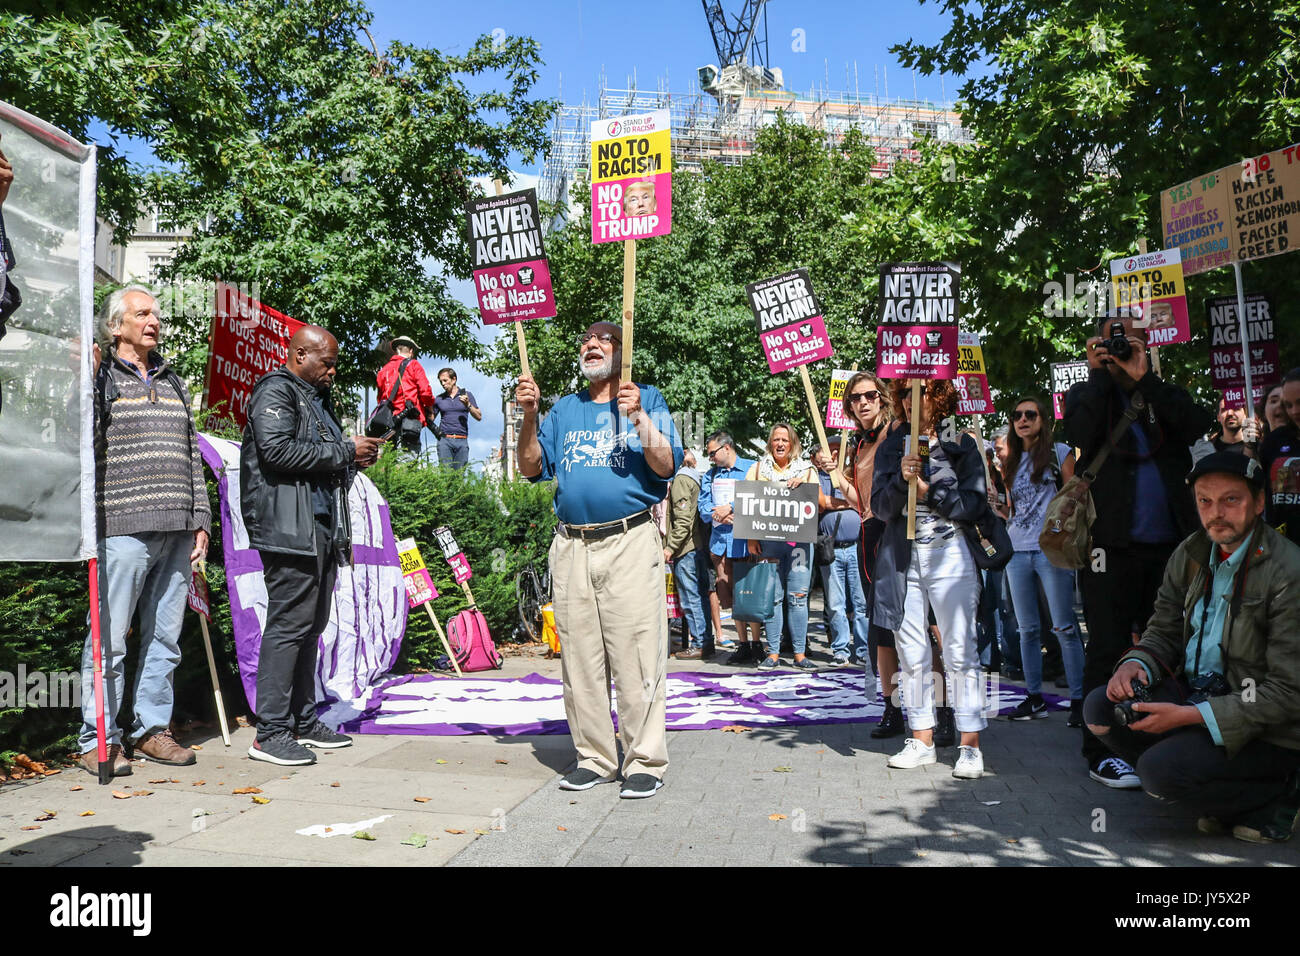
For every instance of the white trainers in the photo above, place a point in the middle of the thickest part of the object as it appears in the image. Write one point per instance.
(914, 754)
(970, 764)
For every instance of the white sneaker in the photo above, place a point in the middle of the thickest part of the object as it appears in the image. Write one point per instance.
(970, 764)
(914, 754)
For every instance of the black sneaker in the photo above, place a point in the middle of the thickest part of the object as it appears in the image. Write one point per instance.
(282, 749)
(583, 779)
(945, 727)
(1115, 773)
(1275, 821)
(1076, 714)
(322, 738)
(1029, 709)
(640, 785)
(744, 654)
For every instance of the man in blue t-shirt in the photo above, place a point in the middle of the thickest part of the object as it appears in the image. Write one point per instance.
(454, 406)
(717, 492)
(611, 449)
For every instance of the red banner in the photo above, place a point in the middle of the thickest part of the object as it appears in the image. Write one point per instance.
(249, 339)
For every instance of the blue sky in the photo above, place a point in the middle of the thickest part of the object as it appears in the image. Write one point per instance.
(815, 44)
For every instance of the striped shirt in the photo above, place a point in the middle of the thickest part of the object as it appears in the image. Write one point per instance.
(148, 471)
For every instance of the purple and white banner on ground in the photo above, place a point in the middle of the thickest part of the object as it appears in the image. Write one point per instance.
(697, 700)
(368, 614)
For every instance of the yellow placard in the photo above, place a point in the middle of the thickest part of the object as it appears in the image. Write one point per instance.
(638, 146)
(970, 355)
(409, 555)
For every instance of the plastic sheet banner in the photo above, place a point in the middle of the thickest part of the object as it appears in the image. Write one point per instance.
(47, 465)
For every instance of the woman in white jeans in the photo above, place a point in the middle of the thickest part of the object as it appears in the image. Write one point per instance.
(933, 572)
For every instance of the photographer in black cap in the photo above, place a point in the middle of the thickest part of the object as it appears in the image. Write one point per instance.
(1207, 705)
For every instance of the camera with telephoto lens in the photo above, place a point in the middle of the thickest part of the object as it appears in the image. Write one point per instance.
(1118, 344)
(1207, 686)
(1124, 712)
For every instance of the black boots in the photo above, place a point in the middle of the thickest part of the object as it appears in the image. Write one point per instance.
(891, 722)
(945, 727)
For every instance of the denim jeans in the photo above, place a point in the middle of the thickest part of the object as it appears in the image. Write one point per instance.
(453, 451)
(686, 573)
(149, 571)
(1058, 586)
(794, 577)
(846, 605)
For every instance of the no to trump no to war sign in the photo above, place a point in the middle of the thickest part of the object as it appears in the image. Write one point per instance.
(917, 333)
(769, 511)
(419, 586)
(1065, 374)
(631, 177)
(512, 278)
(1153, 283)
(791, 330)
(972, 381)
(249, 339)
(1225, 348)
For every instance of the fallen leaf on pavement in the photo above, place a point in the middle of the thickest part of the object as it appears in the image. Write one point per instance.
(76, 788)
(783, 770)
(141, 793)
(336, 784)
(195, 747)
(33, 827)
(1013, 841)
(777, 816)
(329, 829)
(563, 829)
(417, 840)
(499, 760)
(485, 832)
(822, 751)
(86, 813)
(47, 815)
(448, 830)
(240, 790)
(261, 800)
(173, 780)
(423, 799)
(440, 761)
(363, 835)
(736, 729)
(199, 783)
(121, 795)
(163, 780)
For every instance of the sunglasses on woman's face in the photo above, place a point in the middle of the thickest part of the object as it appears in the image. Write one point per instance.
(1029, 414)
(863, 397)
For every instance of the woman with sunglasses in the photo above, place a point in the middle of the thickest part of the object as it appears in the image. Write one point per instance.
(868, 404)
(1035, 470)
(934, 572)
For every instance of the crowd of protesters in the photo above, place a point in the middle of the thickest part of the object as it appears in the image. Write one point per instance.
(923, 620)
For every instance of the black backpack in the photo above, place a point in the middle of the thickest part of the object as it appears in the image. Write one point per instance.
(384, 418)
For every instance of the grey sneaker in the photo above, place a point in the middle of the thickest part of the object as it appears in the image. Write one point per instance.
(583, 779)
(283, 750)
(769, 663)
(323, 738)
(640, 785)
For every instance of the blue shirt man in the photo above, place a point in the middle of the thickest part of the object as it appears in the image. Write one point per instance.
(727, 466)
(611, 449)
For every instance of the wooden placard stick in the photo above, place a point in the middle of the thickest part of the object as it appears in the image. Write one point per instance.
(915, 450)
(1155, 349)
(216, 684)
(629, 297)
(817, 421)
(443, 637)
(519, 326)
(979, 437)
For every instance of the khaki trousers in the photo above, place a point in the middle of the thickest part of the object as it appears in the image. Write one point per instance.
(612, 621)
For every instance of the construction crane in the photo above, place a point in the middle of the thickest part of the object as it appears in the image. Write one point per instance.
(742, 54)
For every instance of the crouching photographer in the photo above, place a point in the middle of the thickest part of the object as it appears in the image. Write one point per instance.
(1207, 705)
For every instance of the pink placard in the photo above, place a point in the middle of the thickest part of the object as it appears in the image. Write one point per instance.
(639, 207)
(916, 351)
(796, 345)
(515, 292)
(973, 395)
(460, 568)
(419, 587)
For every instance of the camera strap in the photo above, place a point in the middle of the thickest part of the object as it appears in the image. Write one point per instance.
(1238, 588)
(1135, 408)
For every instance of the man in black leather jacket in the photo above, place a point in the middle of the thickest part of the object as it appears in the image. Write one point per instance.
(1144, 508)
(294, 471)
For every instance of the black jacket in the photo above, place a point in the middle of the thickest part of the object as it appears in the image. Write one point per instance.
(286, 447)
(1173, 422)
(957, 491)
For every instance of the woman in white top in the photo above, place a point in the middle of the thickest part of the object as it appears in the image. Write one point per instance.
(1034, 471)
(784, 462)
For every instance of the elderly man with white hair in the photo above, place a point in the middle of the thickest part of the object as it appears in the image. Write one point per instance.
(154, 518)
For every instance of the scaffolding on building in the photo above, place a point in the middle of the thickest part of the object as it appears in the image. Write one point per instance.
(724, 128)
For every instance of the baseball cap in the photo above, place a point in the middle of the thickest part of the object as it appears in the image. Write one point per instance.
(1229, 463)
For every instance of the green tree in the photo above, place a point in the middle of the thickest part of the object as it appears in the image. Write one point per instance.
(327, 172)
(1084, 111)
(793, 203)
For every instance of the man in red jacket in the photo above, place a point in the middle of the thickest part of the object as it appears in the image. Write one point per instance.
(414, 397)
